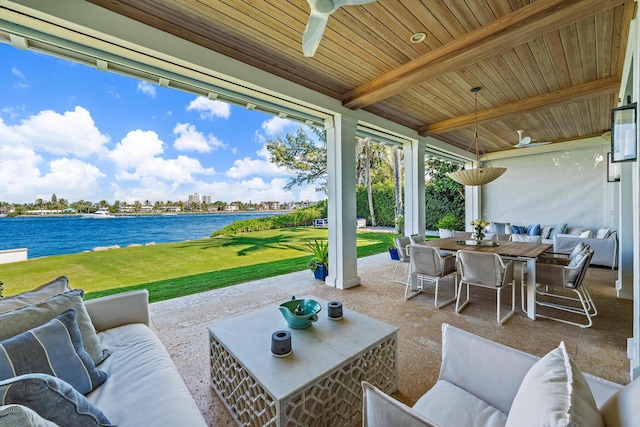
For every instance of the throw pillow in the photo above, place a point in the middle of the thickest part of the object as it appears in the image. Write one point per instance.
(623, 406)
(554, 393)
(53, 399)
(579, 248)
(380, 410)
(519, 229)
(500, 227)
(603, 233)
(54, 287)
(586, 234)
(545, 232)
(28, 317)
(558, 229)
(18, 415)
(533, 230)
(54, 348)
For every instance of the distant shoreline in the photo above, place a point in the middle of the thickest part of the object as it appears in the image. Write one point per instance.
(146, 214)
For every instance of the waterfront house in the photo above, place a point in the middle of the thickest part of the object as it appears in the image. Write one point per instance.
(400, 73)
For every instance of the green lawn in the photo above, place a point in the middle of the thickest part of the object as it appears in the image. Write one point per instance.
(176, 269)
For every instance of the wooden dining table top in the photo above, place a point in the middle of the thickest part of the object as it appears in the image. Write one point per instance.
(506, 249)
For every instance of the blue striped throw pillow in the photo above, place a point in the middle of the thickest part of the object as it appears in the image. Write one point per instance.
(54, 348)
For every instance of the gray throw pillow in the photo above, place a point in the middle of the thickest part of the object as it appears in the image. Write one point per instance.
(28, 317)
(54, 287)
(54, 348)
(53, 399)
(18, 415)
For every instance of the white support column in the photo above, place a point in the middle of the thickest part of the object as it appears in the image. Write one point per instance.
(414, 203)
(633, 207)
(341, 181)
(628, 285)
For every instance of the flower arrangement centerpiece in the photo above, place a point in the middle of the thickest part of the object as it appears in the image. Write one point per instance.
(479, 225)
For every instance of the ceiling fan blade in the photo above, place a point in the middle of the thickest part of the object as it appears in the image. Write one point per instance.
(320, 12)
(353, 2)
(313, 33)
(533, 144)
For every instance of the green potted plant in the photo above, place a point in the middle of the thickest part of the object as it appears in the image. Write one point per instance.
(447, 224)
(319, 262)
(393, 249)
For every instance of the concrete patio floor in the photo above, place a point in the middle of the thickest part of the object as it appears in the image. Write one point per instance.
(181, 324)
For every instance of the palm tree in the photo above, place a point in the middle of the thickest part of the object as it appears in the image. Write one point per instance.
(367, 167)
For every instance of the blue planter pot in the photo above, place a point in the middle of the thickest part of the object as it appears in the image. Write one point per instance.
(394, 254)
(321, 272)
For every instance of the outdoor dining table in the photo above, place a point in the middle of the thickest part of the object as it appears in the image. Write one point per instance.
(519, 251)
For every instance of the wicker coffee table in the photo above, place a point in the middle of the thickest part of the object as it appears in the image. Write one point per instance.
(318, 384)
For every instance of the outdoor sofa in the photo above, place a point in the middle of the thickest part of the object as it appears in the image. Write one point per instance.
(483, 383)
(134, 382)
(564, 238)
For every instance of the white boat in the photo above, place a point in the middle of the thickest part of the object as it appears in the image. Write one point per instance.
(99, 214)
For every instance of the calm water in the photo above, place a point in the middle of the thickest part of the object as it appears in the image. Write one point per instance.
(45, 236)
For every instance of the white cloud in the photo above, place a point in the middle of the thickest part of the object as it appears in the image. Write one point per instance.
(209, 109)
(146, 88)
(179, 170)
(73, 132)
(137, 158)
(17, 73)
(250, 167)
(20, 86)
(135, 148)
(189, 139)
(26, 177)
(276, 125)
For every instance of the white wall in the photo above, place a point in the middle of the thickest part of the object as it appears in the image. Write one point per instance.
(568, 186)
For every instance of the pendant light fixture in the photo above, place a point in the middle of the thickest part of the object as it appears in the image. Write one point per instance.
(478, 175)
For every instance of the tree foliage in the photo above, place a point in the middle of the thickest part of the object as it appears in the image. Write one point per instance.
(443, 196)
(303, 156)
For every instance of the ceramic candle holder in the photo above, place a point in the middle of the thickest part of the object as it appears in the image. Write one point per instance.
(334, 310)
(281, 343)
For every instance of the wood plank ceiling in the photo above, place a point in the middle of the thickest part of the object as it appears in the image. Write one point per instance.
(550, 67)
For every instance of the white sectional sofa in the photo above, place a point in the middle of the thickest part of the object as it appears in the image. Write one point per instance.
(605, 250)
(143, 386)
(134, 382)
(483, 383)
(564, 238)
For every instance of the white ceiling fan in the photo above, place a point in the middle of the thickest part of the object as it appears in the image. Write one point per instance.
(526, 141)
(320, 11)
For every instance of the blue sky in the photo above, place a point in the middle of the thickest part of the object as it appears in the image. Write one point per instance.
(81, 133)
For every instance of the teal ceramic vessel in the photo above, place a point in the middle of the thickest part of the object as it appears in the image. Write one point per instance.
(300, 313)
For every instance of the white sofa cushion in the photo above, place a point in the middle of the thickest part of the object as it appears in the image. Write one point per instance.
(477, 365)
(622, 409)
(381, 410)
(554, 393)
(448, 405)
(602, 233)
(144, 387)
(587, 234)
